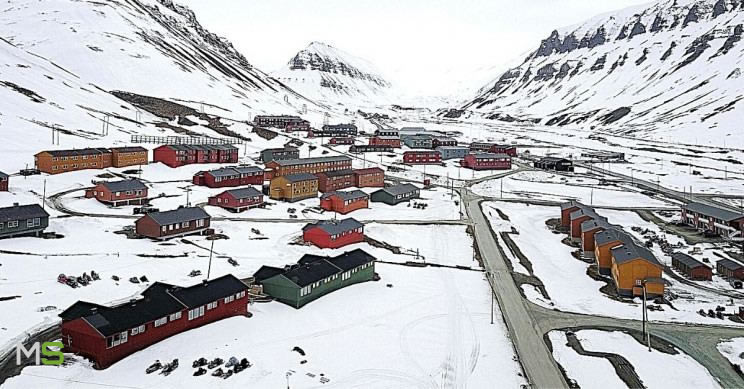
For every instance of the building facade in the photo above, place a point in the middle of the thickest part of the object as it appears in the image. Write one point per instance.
(422, 157)
(277, 154)
(308, 165)
(106, 334)
(23, 220)
(341, 140)
(633, 265)
(359, 149)
(62, 161)
(333, 234)
(294, 187)
(180, 155)
(4, 182)
(554, 163)
(118, 193)
(373, 177)
(282, 121)
(129, 156)
(346, 130)
(230, 177)
(418, 141)
(452, 152)
(721, 221)
(691, 267)
(729, 269)
(237, 200)
(315, 276)
(443, 141)
(175, 223)
(335, 180)
(380, 140)
(487, 161)
(344, 202)
(397, 194)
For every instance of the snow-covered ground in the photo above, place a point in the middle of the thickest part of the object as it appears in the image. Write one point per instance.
(429, 328)
(733, 350)
(655, 369)
(565, 278)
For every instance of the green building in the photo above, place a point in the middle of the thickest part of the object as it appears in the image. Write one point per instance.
(315, 276)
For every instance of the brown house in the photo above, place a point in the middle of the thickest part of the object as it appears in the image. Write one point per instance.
(588, 229)
(116, 193)
(566, 209)
(604, 242)
(129, 156)
(730, 269)
(170, 224)
(373, 177)
(308, 165)
(294, 187)
(578, 217)
(62, 161)
(691, 267)
(335, 180)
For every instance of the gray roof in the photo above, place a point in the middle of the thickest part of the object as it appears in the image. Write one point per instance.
(178, 215)
(584, 211)
(234, 171)
(124, 185)
(729, 264)
(571, 204)
(588, 225)
(338, 173)
(300, 161)
(490, 155)
(400, 189)
(3, 175)
(630, 251)
(346, 195)
(22, 212)
(553, 159)
(248, 169)
(300, 177)
(612, 234)
(129, 149)
(76, 152)
(457, 148)
(201, 147)
(687, 260)
(715, 212)
(333, 227)
(244, 192)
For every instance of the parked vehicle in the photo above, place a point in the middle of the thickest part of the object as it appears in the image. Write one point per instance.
(736, 284)
(154, 367)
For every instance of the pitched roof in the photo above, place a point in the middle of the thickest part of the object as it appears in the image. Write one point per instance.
(266, 272)
(338, 173)
(687, 260)
(243, 193)
(3, 175)
(201, 147)
(586, 211)
(342, 125)
(588, 225)
(553, 159)
(312, 268)
(352, 259)
(300, 177)
(248, 169)
(22, 212)
(128, 149)
(345, 195)
(571, 204)
(301, 161)
(311, 271)
(716, 212)
(490, 155)
(124, 185)
(333, 227)
(158, 301)
(612, 234)
(400, 189)
(178, 215)
(369, 170)
(76, 152)
(729, 264)
(630, 251)
(452, 148)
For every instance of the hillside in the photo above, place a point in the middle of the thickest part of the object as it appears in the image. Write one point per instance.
(327, 74)
(72, 64)
(670, 70)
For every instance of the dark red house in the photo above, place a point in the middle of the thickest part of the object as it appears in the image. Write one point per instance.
(422, 157)
(503, 149)
(344, 202)
(578, 217)
(116, 193)
(4, 182)
(691, 267)
(106, 335)
(237, 200)
(179, 155)
(372, 177)
(392, 141)
(170, 224)
(442, 141)
(333, 234)
(230, 176)
(335, 180)
(486, 161)
(341, 140)
(566, 209)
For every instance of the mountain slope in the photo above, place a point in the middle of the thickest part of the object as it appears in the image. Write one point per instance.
(668, 70)
(61, 61)
(325, 73)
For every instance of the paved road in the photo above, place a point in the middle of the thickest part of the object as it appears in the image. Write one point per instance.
(537, 362)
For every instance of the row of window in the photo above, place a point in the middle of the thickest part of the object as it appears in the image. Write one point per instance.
(344, 276)
(74, 166)
(30, 223)
(240, 201)
(355, 230)
(73, 158)
(186, 224)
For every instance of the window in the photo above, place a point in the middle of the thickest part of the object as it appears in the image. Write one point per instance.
(164, 228)
(175, 316)
(13, 224)
(116, 339)
(196, 313)
(161, 321)
(138, 330)
(129, 193)
(229, 299)
(200, 223)
(212, 305)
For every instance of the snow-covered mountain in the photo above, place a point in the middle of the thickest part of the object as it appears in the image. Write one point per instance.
(327, 74)
(671, 69)
(71, 64)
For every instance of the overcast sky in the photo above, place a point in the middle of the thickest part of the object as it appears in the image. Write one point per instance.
(423, 46)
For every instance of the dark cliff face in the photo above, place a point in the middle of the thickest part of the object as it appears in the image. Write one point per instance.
(306, 60)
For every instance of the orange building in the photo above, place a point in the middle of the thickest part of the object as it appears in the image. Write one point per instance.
(308, 165)
(129, 156)
(632, 265)
(604, 242)
(62, 161)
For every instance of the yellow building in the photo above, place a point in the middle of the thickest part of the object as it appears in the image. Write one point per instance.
(631, 266)
(294, 187)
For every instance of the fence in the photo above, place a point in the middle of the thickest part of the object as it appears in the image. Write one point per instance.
(185, 140)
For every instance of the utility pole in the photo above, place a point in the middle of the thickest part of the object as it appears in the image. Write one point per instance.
(188, 191)
(43, 198)
(501, 189)
(209, 268)
(645, 313)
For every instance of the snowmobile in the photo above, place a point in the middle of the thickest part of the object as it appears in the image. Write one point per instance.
(62, 279)
(95, 275)
(170, 367)
(115, 278)
(86, 277)
(154, 367)
(218, 372)
(244, 363)
(134, 280)
(71, 281)
(199, 363)
(201, 371)
(195, 273)
(227, 375)
(231, 362)
(82, 281)
(143, 279)
(215, 362)
(232, 262)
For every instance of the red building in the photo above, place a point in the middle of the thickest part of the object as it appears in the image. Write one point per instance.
(392, 141)
(442, 141)
(170, 224)
(503, 149)
(578, 217)
(341, 140)
(344, 202)
(590, 228)
(4, 182)
(333, 234)
(116, 193)
(237, 200)
(566, 209)
(106, 335)
(230, 176)
(422, 157)
(486, 161)
(372, 177)
(179, 155)
(335, 180)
